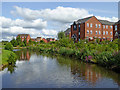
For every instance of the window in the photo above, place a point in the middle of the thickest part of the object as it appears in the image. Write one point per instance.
(103, 32)
(111, 27)
(87, 24)
(91, 25)
(91, 31)
(75, 27)
(103, 26)
(79, 33)
(106, 26)
(111, 33)
(106, 32)
(87, 31)
(99, 26)
(96, 25)
(115, 27)
(79, 28)
(99, 32)
(96, 32)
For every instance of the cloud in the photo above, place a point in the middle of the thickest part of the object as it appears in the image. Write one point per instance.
(8, 33)
(37, 23)
(59, 14)
(113, 19)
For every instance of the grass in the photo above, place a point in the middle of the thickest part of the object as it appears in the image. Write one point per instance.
(5, 56)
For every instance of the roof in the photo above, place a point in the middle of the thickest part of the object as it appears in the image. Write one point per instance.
(83, 20)
(67, 31)
(118, 22)
(23, 34)
(105, 22)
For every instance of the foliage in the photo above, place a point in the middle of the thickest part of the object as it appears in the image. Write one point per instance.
(61, 35)
(9, 46)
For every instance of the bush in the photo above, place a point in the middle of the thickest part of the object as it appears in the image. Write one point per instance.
(12, 58)
(9, 46)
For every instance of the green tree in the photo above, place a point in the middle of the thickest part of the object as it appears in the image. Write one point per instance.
(25, 42)
(9, 46)
(19, 41)
(61, 35)
(41, 41)
(14, 42)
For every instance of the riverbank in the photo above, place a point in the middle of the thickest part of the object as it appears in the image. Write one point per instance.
(5, 57)
(104, 54)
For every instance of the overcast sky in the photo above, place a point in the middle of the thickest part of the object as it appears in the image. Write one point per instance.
(42, 19)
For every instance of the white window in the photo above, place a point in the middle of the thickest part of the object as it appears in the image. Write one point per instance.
(99, 26)
(91, 31)
(87, 31)
(106, 32)
(91, 25)
(111, 27)
(106, 26)
(103, 26)
(115, 27)
(79, 33)
(96, 32)
(96, 25)
(74, 26)
(111, 33)
(87, 24)
(99, 32)
(79, 26)
(103, 32)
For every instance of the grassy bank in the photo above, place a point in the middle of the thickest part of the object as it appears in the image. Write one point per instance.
(103, 53)
(5, 56)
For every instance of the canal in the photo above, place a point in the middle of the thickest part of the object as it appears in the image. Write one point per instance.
(36, 70)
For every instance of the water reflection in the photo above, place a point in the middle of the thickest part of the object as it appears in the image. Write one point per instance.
(44, 70)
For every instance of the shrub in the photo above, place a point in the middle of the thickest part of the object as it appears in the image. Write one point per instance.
(9, 46)
(12, 58)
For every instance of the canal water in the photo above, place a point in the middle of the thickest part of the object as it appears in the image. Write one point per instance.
(35, 70)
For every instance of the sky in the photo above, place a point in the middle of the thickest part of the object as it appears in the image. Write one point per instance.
(46, 19)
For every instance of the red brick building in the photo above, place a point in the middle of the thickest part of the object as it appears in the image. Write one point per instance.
(116, 32)
(23, 36)
(91, 28)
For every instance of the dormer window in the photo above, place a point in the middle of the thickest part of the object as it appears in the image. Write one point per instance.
(75, 27)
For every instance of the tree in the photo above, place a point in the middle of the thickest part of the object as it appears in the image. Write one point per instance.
(9, 46)
(25, 42)
(41, 41)
(19, 41)
(14, 42)
(61, 35)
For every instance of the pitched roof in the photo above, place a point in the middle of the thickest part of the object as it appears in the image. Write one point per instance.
(67, 31)
(105, 22)
(84, 20)
(118, 22)
(23, 34)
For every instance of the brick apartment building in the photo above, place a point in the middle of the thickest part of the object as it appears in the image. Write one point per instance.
(116, 32)
(91, 28)
(23, 36)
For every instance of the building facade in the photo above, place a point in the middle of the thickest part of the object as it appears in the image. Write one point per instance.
(116, 32)
(24, 36)
(91, 28)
